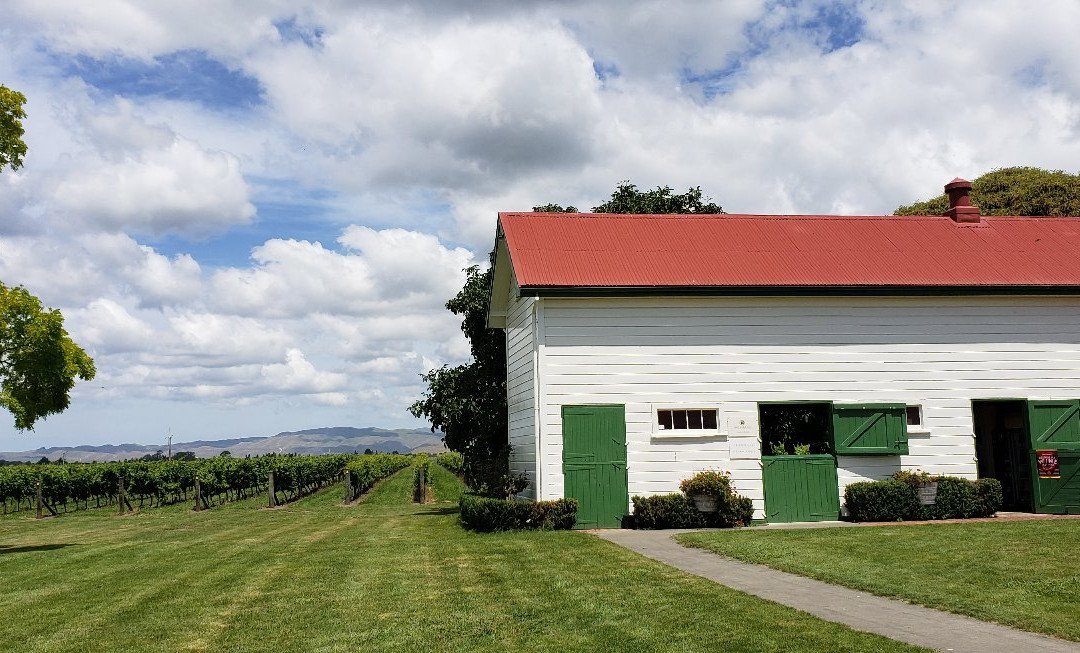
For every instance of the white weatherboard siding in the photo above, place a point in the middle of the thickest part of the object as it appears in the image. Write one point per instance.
(520, 388)
(940, 352)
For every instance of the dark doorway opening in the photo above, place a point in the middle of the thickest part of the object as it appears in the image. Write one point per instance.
(795, 428)
(1002, 448)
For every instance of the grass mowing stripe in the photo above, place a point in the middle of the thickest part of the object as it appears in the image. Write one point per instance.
(210, 564)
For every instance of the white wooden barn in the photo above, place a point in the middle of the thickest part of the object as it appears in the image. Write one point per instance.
(643, 348)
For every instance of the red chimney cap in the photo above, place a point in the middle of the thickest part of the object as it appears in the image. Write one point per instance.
(957, 183)
(960, 208)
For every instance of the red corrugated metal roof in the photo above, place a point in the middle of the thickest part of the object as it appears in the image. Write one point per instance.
(551, 250)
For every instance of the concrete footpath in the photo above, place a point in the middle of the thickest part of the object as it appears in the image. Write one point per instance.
(897, 620)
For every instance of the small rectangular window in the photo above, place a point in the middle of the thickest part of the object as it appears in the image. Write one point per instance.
(695, 419)
(914, 415)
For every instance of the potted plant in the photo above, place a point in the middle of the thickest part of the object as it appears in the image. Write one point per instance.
(925, 484)
(706, 488)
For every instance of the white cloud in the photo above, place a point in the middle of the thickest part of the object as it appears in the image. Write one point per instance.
(107, 327)
(392, 269)
(227, 338)
(298, 375)
(144, 178)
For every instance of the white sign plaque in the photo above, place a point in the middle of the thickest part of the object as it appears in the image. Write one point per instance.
(742, 425)
(744, 448)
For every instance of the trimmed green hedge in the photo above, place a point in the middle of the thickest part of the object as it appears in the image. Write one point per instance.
(886, 500)
(892, 500)
(678, 511)
(486, 515)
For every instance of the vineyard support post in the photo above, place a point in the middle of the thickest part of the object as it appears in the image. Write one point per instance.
(198, 496)
(40, 500)
(348, 486)
(121, 495)
(270, 483)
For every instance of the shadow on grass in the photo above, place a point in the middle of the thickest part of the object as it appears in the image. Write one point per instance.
(5, 549)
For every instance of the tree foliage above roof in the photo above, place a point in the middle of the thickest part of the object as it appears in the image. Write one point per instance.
(663, 199)
(1013, 191)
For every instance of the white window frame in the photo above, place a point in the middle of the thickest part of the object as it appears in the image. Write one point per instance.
(660, 433)
(920, 428)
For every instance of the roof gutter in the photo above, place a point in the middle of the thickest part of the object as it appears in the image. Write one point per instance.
(795, 291)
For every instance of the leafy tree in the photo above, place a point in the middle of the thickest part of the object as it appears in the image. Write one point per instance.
(1013, 191)
(38, 360)
(468, 402)
(184, 455)
(555, 208)
(628, 199)
(12, 147)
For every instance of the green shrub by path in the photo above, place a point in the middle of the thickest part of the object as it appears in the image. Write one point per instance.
(895, 500)
(887, 500)
(990, 496)
(1024, 574)
(667, 511)
(678, 511)
(485, 515)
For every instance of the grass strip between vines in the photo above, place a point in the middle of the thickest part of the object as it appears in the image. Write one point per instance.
(385, 574)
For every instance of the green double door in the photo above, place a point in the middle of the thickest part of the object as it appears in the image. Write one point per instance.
(594, 463)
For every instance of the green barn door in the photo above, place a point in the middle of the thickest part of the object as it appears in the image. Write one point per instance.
(1055, 425)
(594, 464)
(800, 488)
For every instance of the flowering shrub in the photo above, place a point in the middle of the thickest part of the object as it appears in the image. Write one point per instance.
(712, 483)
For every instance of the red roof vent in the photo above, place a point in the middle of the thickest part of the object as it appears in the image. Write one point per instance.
(960, 208)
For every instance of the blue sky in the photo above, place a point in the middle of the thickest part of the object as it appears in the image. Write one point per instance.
(252, 215)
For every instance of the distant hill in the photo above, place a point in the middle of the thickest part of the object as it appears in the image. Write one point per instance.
(331, 439)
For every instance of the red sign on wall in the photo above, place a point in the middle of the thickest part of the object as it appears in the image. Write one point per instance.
(1047, 462)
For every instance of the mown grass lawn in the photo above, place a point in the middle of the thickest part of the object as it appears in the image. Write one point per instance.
(383, 575)
(1023, 574)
